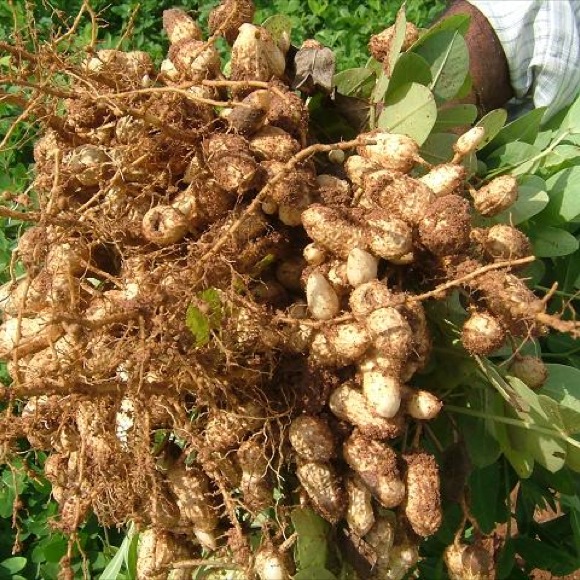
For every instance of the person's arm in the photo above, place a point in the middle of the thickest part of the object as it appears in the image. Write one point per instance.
(491, 87)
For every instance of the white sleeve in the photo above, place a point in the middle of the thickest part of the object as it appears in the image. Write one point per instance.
(541, 41)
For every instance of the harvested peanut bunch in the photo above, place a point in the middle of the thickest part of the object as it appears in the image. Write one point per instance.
(211, 322)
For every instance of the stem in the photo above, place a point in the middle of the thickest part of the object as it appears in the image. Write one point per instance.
(516, 423)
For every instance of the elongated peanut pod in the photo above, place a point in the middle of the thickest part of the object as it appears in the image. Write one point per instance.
(312, 438)
(349, 404)
(383, 392)
(391, 150)
(468, 143)
(180, 26)
(359, 512)
(322, 300)
(497, 196)
(269, 565)
(324, 488)
(423, 503)
(376, 464)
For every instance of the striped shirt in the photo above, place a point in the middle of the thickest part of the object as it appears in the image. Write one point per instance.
(541, 41)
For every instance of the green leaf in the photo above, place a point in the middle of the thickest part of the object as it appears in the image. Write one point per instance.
(397, 39)
(563, 385)
(438, 148)
(549, 242)
(448, 57)
(455, 116)
(411, 110)
(279, 26)
(571, 121)
(532, 199)
(203, 315)
(548, 450)
(564, 203)
(538, 554)
(410, 68)
(11, 566)
(524, 129)
(517, 158)
(314, 572)
(492, 123)
(562, 155)
(484, 485)
(457, 22)
(311, 544)
(121, 557)
(355, 82)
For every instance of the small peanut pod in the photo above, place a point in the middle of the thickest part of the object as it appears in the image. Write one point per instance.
(502, 242)
(531, 370)
(389, 238)
(359, 512)
(423, 502)
(87, 163)
(381, 537)
(341, 344)
(468, 562)
(444, 179)
(376, 464)
(383, 392)
(391, 150)
(225, 429)
(445, 228)
(191, 489)
(227, 17)
(368, 297)
(361, 267)
(180, 26)
(324, 489)
(403, 557)
(195, 59)
(322, 300)
(274, 144)
(482, 333)
(421, 405)
(349, 404)
(356, 167)
(329, 229)
(407, 198)
(164, 225)
(497, 196)
(312, 438)
(249, 118)
(392, 334)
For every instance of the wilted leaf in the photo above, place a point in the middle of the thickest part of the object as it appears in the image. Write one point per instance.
(549, 242)
(448, 57)
(455, 116)
(411, 110)
(314, 69)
